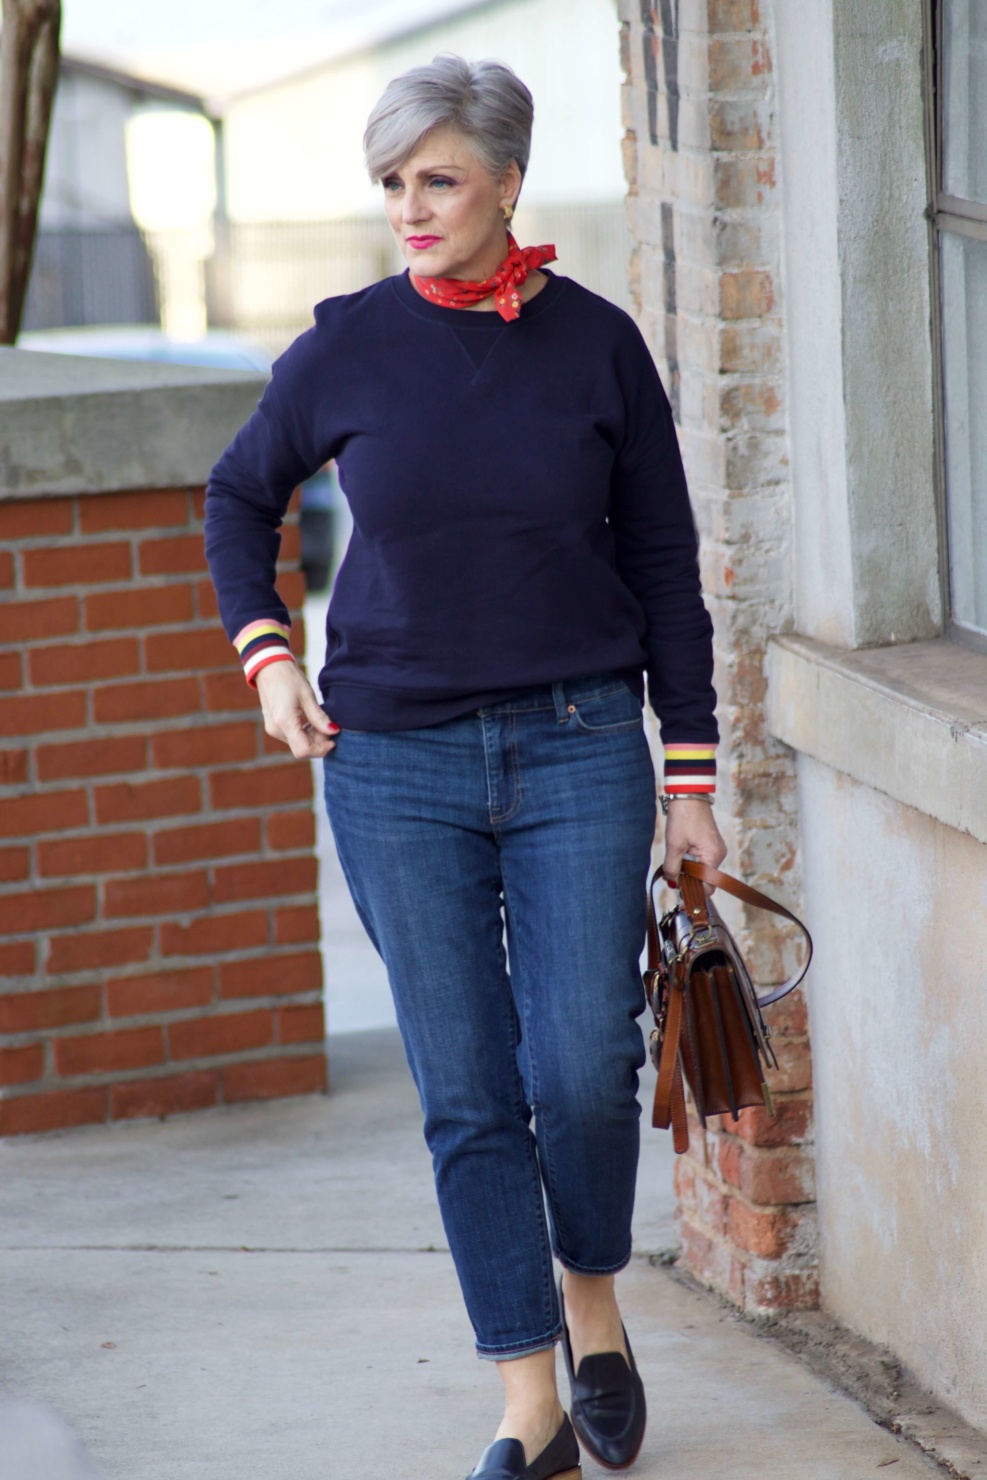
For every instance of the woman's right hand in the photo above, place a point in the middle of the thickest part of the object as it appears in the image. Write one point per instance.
(292, 713)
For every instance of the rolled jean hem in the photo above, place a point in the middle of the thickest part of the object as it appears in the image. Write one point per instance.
(596, 1269)
(512, 1353)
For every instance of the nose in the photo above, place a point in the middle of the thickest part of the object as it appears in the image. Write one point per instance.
(414, 209)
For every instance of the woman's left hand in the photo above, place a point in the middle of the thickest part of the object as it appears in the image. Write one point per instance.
(690, 827)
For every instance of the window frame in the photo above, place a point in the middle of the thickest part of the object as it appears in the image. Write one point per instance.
(959, 217)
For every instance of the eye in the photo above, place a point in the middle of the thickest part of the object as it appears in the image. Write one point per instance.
(441, 181)
(391, 185)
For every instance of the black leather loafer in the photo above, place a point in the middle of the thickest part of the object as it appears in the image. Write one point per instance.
(609, 1412)
(504, 1459)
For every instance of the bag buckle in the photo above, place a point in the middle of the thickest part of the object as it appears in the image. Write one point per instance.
(704, 939)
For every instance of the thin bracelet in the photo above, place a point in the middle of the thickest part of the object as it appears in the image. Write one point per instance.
(683, 796)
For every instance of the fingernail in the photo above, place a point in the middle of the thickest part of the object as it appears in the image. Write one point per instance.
(333, 729)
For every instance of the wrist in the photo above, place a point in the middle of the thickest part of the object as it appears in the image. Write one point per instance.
(690, 770)
(260, 644)
(258, 678)
(666, 798)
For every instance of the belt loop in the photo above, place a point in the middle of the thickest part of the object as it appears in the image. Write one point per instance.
(558, 697)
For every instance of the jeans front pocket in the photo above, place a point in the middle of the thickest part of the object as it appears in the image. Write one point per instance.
(608, 710)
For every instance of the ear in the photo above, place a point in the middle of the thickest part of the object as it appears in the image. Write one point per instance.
(510, 185)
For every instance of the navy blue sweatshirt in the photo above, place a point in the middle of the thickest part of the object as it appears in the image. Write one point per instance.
(520, 512)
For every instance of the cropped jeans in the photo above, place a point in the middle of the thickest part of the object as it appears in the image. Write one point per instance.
(537, 813)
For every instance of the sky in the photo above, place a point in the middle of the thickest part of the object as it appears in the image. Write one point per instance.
(181, 40)
(109, 25)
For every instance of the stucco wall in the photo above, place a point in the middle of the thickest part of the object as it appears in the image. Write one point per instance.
(887, 716)
(898, 906)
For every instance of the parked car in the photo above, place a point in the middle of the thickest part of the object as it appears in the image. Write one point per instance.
(219, 348)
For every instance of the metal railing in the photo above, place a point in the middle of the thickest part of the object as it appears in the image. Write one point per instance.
(91, 275)
(263, 278)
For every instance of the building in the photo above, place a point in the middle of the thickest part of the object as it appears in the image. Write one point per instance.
(809, 208)
(297, 218)
(807, 203)
(294, 146)
(304, 220)
(91, 264)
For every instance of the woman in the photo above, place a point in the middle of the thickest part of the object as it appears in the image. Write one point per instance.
(523, 550)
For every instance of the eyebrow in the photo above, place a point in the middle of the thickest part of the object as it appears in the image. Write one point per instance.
(436, 169)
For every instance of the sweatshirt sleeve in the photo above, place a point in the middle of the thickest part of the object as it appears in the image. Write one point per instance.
(656, 547)
(246, 499)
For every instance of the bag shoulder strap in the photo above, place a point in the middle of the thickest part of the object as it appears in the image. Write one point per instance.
(669, 1105)
(695, 898)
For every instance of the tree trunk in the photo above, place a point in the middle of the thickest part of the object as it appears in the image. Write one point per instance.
(28, 77)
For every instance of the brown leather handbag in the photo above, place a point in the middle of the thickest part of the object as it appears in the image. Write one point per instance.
(708, 1023)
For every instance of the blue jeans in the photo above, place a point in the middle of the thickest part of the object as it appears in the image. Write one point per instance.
(539, 812)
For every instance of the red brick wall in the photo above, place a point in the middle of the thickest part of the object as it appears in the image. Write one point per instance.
(159, 931)
(703, 196)
(746, 1191)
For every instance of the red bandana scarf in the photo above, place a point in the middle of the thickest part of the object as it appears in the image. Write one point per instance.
(505, 282)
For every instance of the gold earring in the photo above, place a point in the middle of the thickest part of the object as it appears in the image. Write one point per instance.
(508, 212)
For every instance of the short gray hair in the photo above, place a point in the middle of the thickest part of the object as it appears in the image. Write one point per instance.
(485, 101)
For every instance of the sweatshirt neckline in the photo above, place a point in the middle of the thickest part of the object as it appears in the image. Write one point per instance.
(465, 319)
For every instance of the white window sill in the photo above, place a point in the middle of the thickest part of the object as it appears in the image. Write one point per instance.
(910, 721)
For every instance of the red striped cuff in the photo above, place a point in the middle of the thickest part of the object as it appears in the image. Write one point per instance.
(690, 770)
(260, 643)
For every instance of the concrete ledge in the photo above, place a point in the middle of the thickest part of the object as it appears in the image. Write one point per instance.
(74, 425)
(910, 721)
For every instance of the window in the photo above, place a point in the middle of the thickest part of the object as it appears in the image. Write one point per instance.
(960, 216)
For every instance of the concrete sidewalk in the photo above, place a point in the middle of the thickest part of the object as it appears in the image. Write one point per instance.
(263, 1293)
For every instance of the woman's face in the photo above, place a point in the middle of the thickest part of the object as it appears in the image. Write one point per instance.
(446, 209)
